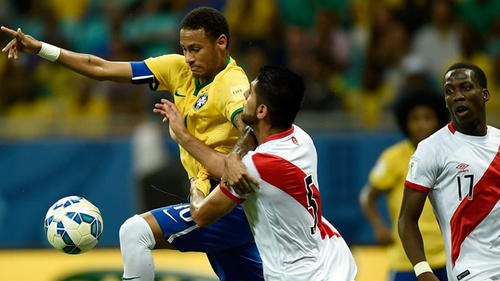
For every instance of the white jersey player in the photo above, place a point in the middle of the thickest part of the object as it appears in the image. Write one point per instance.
(459, 168)
(284, 211)
(294, 240)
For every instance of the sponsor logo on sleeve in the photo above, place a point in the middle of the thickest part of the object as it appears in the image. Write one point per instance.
(237, 90)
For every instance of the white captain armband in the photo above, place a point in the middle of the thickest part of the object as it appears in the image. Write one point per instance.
(49, 52)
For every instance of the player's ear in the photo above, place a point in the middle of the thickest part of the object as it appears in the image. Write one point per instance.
(262, 111)
(222, 42)
(486, 95)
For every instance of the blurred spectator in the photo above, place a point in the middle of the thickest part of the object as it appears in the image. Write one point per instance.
(332, 43)
(319, 95)
(493, 105)
(253, 22)
(368, 104)
(304, 19)
(438, 40)
(480, 15)
(153, 25)
(471, 51)
(416, 77)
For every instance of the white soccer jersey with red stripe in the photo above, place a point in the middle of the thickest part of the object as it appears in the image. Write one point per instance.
(462, 175)
(294, 240)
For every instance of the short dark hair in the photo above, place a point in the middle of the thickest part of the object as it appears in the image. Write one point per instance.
(213, 22)
(412, 99)
(480, 76)
(282, 91)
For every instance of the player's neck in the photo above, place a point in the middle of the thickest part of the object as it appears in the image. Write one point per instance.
(220, 67)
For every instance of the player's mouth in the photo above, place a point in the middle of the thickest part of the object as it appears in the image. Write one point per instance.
(462, 111)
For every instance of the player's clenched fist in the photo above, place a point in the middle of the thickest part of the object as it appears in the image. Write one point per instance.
(21, 43)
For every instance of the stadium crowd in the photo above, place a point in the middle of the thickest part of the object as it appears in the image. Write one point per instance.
(357, 56)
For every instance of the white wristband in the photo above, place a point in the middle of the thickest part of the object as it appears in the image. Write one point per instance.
(422, 267)
(49, 52)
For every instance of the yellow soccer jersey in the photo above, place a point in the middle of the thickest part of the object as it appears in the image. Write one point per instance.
(388, 175)
(208, 108)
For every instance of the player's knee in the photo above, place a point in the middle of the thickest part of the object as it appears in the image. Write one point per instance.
(135, 230)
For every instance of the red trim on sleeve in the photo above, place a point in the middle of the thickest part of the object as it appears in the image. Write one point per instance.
(231, 196)
(417, 187)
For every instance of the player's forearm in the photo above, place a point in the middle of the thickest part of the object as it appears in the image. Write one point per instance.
(246, 142)
(195, 202)
(368, 205)
(95, 67)
(205, 210)
(411, 238)
(211, 159)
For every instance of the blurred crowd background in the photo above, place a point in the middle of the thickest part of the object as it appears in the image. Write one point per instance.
(357, 57)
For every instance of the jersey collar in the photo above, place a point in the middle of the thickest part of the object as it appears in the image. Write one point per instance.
(451, 128)
(280, 135)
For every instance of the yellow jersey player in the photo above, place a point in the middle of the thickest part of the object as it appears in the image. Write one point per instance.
(418, 114)
(208, 87)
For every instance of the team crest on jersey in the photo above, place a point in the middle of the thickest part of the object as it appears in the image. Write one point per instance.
(202, 99)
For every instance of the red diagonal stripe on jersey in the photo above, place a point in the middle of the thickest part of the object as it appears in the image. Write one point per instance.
(470, 213)
(289, 178)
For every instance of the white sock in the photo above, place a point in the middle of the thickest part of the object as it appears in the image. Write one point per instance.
(136, 242)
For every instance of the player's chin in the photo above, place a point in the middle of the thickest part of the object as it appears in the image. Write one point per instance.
(197, 72)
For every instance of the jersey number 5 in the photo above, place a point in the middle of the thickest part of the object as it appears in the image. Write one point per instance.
(312, 204)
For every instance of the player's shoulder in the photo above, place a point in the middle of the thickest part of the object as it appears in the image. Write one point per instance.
(494, 131)
(440, 137)
(168, 61)
(232, 73)
(298, 131)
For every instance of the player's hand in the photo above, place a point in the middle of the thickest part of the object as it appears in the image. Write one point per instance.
(21, 43)
(174, 118)
(159, 110)
(237, 176)
(428, 276)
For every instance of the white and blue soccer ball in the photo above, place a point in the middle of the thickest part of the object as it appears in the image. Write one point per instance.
(73, 225)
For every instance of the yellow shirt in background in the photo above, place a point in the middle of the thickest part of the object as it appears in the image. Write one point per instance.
(388, 175)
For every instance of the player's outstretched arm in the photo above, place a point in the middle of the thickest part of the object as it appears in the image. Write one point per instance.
(85, 64)
(409, 231)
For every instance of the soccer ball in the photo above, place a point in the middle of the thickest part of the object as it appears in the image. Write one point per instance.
(73, 225)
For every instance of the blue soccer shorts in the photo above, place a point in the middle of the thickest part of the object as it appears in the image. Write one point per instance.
(228, 243)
